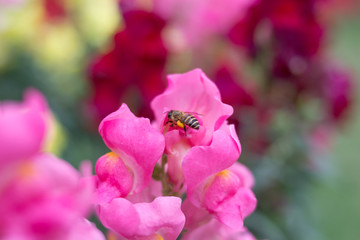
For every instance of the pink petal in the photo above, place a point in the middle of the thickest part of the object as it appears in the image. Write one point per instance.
(214, 230)
(203, 161)
(223, 186)
(163, 216)
(233, 210)
(86, 230)
(153, 190)
(120, 216)
(135, 141)
(194, 216)
(176, 149)
(244, 174)
(114, 178)
(22, 127)
(43, 199)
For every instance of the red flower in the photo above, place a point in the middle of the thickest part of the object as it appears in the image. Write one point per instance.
(288, 30)
(133, 70)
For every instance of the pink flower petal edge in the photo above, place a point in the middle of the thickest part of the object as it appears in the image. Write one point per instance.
(135, 142)
(162, 216)
(22, 127)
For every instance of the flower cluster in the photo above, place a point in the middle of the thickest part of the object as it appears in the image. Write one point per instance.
(41, 196)
(269, 61)
(288, 38)
(152, 165)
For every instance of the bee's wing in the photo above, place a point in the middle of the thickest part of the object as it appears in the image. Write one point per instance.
(194, 113)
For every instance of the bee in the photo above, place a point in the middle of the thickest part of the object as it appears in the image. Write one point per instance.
(182, 119)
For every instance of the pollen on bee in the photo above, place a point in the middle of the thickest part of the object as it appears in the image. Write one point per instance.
(180, 124)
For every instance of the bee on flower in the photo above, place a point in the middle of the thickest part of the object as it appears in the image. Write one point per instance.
(182, 120)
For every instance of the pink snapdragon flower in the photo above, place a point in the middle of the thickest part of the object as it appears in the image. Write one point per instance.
(44, 199)
(126, 172)
(230, 212)
(200, 162)
(200, 159)
(136, 147)
(41, 196)
(191, 92)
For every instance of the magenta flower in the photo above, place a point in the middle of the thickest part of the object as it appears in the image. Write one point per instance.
(126, 172)
(200, 161)
(233, 91)
(22, 127)
(41, 196)
(220, 191)
(203, 98)
(200, 225)
(136, 147)
(338, 92)
(44, 199)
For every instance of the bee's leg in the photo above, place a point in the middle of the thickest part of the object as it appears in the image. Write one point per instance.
(185, 129)
(172, 123)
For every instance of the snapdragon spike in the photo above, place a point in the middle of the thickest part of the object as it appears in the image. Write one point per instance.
(197, 161)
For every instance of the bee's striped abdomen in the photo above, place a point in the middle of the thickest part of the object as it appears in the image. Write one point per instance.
(191, 121)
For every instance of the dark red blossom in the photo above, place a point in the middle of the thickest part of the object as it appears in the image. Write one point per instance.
(338, 93)
(232, 91)
(54, 9)
(287, 31)
(133, 70)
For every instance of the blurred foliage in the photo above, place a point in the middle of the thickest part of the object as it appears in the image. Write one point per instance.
(335, 200)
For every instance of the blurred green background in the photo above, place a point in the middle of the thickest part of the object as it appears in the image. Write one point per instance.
(335, 200)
